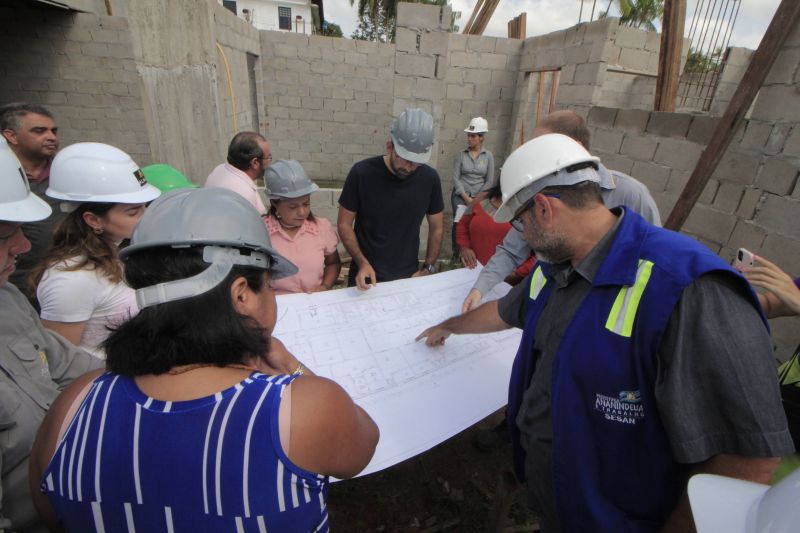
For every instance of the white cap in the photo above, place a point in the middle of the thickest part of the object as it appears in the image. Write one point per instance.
(96, 172)
(17, 202)
(477, 125)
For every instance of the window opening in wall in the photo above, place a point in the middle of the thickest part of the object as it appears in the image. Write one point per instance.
(539, 101)
(285, 18)
(252, 61)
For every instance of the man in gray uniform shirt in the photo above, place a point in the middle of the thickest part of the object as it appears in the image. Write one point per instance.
(616, 189)
(35, 362)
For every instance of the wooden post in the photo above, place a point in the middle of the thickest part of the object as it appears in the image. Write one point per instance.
(787, 15)
(669, 56)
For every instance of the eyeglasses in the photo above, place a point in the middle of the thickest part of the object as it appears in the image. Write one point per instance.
(516, 222)
(267, 158)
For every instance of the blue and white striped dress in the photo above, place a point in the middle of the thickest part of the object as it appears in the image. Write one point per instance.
(131, 463)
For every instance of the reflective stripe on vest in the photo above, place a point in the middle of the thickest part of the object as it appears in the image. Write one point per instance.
(537, 283)
(623, 312)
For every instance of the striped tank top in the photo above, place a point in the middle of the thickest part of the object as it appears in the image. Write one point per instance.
(128, 463)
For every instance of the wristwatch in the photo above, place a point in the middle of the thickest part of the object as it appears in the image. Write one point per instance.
(429, 267)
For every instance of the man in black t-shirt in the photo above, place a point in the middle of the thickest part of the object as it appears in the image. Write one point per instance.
(387, 197)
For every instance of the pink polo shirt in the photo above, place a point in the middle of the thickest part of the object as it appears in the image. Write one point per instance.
(307, 249)
(226, 176)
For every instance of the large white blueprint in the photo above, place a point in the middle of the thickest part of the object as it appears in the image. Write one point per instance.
(364, 341)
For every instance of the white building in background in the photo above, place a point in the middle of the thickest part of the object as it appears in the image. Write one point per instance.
(277, 15)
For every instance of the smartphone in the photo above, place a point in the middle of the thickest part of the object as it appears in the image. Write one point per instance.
(744, 259)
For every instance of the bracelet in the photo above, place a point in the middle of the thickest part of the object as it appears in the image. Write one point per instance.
(300, 370)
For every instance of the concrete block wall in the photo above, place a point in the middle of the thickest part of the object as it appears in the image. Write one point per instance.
(752, 200)
(237, 39)
(736, 62)
(328, 101)
(78, 65)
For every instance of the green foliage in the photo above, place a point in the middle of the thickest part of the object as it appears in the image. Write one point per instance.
(697, 61)
(640, 14)
(330, 29)
(377, 18)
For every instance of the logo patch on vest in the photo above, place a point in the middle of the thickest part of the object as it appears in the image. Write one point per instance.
(626, 408)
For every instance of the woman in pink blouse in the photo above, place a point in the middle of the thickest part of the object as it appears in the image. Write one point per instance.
(307, 241)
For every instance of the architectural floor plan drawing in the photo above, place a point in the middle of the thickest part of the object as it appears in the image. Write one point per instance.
(418, 396)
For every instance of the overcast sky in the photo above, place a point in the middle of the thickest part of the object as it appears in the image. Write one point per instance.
(545, 16)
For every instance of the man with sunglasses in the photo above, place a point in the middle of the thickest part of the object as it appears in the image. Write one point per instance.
(383, 202)
(248, 158)
(644, 357)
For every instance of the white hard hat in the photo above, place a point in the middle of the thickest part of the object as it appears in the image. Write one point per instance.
(96, 172)
(478, 125)
(219, 221)
(17, 202)
(545, 161)
(287, 179)
(412, 135)
(735, 506)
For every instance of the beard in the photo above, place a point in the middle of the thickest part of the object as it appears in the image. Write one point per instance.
(401, 173)
(549, 247)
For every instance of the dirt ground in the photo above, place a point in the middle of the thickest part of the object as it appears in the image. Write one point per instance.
(452, 487)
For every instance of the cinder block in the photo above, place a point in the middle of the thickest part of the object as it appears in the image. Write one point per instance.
(750, 200)
(435, 43)
(747, 235)
(630, 37)
(480, 43)
(639, 147)
(284, 50)
(654, 177)
(701, 129)
(590, 74)
(492, 61)
(460, 92)
(602, 117)
(653, 42)
(783, 250)
(329, 104)
(792, 145)
(577, 54)
(778, 175)
(322, 67)
(429, 89)
(631, 120)
(777, 138)
(676, 154)
(414, 65)
(356, 106)
(406, 40)
(709, 192)
(635, 59)
(669, 124)
(479, 75)
(617, 162)
(710, 224)
(418, 16)
(458, 42)
(501, 78)
(738, 166)
(785, 67)
(729, 196)
(755, 135)
(507, 46)
(572, 95)
(780, 214)
(777, 103)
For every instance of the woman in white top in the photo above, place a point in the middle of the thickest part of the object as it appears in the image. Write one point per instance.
(79, 282)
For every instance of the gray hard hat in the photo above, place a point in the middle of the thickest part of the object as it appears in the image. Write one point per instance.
(287, 179)
(412, 134)
(224, 224)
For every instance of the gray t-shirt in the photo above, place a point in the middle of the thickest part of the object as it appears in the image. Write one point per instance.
(705, 358)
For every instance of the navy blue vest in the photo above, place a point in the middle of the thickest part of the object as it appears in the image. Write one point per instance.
(612, 465)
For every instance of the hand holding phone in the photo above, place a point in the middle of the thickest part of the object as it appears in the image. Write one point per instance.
(744, 259)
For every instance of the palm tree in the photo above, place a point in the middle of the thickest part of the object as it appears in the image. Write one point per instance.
(383, 13)
(638, 13)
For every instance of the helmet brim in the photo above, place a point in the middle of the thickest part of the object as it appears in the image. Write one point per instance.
(30, 209)
(148, 193)
(419, 158)
(296, 194)
(467, 130)
(723, 504)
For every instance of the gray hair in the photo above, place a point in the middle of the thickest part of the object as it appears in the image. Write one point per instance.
(10, 114)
